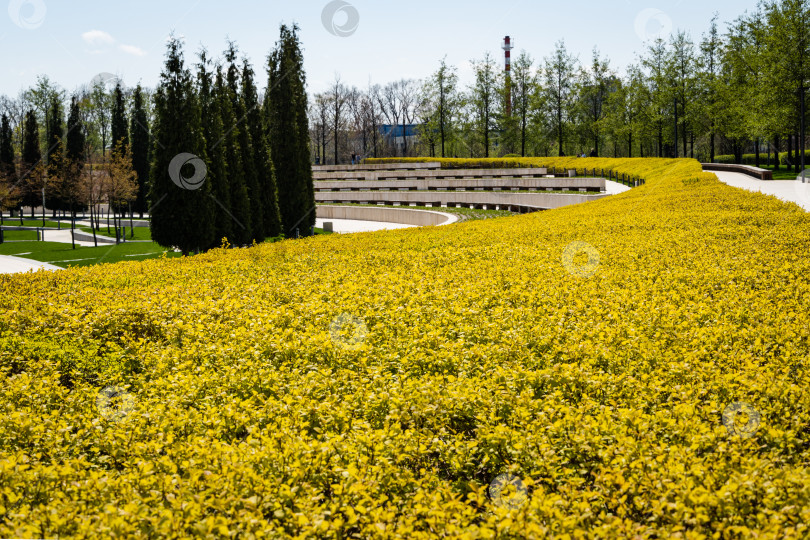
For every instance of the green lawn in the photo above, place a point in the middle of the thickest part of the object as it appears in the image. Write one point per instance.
(782, 173)
(63, 255)
(27, 222)
(13, 236)
(141, 233)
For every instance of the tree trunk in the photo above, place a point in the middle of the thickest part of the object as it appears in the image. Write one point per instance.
(790, 151)
(776, 164)
(756, 152)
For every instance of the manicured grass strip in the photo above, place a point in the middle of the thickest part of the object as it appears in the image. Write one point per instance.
(63, 255)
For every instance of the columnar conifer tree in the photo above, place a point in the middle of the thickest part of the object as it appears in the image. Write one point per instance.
(182, 212)
(246, 146)
(74, 159)
(119, 133)
(8, 171)
(54, 143)
(31, 170)
(217, 166)
(139, 133)
(285, 112)
(263, 164)
(240, 202)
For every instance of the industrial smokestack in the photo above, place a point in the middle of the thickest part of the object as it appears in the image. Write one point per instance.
(507, 47)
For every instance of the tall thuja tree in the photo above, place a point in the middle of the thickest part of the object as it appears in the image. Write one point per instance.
(31, 171)
(7, 169)
(118, 129)
(119, 134)
(237, 189)
(217, 165)
(182, 207)
(140, 135)
(285, 112)
(263, 164)
(74, 159)
(56, 130)
(255, 223)
(8, 172)
(53, 156)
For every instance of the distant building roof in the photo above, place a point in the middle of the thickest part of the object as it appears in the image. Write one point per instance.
(396, 131)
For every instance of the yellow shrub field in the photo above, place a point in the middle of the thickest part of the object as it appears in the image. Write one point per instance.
(631, 367)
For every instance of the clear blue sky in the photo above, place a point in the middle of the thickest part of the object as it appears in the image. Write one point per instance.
(73, 41)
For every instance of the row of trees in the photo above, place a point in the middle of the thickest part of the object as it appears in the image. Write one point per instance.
(254, 153)
(62, 170)
(120, 147)
(733, 91)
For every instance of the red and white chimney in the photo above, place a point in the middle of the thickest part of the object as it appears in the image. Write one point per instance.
(507, 47)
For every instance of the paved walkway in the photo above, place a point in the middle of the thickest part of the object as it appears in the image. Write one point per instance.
(13, 265)
(786, 190)
(344, 226)
(64, 237)
(615, 188)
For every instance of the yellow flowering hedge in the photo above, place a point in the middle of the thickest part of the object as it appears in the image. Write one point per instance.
(375, 385)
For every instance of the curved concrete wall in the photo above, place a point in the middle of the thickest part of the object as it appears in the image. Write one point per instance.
(490, 199)
(420, 218)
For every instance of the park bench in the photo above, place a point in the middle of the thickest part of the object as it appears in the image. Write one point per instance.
(761, 174)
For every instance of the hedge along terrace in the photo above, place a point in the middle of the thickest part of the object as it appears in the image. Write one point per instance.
(376, 385)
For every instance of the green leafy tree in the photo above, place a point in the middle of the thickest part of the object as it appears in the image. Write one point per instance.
(594, 87)
(484, 99)
(560, 80)
(709, 72)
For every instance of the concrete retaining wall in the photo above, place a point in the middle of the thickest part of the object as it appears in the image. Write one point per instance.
(419, 218)
(490, 199)
(487, 184)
